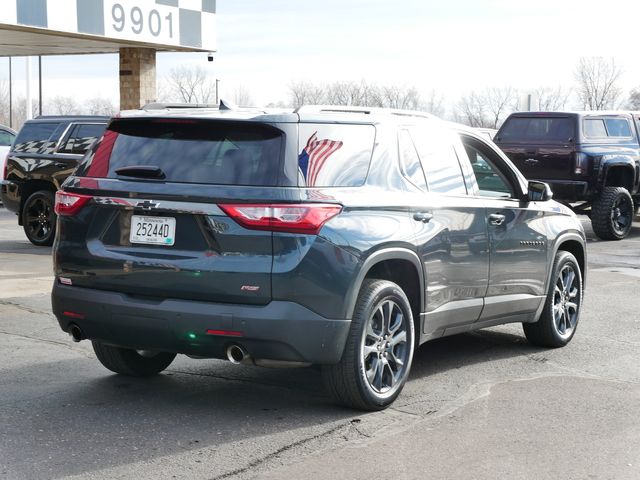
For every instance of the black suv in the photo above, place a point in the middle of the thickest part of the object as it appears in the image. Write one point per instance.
(43, 155)
(590, 159)
(343, 238)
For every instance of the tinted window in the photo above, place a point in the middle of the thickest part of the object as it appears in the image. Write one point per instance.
(439, 160)
(491, 182)
(6, 138)
(334, 155)
(81, 138)
(190, 151)
(594, 127)
(34, 137)
(518, 129)
(409, 160)
(618, 127)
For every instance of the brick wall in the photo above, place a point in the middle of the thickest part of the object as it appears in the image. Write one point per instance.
(137, 77)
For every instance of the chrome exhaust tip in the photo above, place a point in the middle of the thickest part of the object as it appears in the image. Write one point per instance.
(237, 355)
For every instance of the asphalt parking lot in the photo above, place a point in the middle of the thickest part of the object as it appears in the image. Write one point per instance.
(484, 405)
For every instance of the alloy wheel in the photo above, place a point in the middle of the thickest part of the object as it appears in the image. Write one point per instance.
(39, 219)
(385, 348)
(566, 301)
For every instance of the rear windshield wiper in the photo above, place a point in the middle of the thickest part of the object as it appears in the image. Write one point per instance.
(142, 171)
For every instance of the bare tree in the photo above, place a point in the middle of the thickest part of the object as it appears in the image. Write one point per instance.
(306, 93)
(552, 99)
(434, 104)
(500, 103)
(598, 82)
(190, 85)
(472, 110)
(101, 106)
(634, 99)
(242, 96)
(63, 105)
(487, 108)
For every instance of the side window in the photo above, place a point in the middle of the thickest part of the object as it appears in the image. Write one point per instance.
(34, 137)
(491, 182)
(617, 127)
(595, 128)
(409, 160)
(81, 137)
(439, 160)
(334, 155)
(6, 138)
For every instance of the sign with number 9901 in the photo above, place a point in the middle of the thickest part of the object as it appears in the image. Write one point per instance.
(141, 20)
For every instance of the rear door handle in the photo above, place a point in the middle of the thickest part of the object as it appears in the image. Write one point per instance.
(497, 219)
(423, 217)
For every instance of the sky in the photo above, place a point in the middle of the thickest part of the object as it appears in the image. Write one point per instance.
(451, 46)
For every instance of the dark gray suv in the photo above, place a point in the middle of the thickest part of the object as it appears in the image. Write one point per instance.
(330, 236)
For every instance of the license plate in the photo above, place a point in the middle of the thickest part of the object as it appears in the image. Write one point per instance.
(153, 230)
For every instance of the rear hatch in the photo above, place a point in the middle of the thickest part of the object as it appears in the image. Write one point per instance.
(141, 215)
(541, 146)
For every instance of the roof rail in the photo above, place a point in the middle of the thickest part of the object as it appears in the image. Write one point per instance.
(176, 106)
(363, 110)
(224, 106)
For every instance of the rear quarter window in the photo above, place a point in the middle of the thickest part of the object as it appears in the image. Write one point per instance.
(190, 151)
(334, 155)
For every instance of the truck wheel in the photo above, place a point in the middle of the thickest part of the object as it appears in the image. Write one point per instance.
(612, 213)
(131, 362)
(559, 319)
(377, 358)
(39, 218)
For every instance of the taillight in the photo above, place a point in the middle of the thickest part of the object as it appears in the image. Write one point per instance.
(581, 161)
(5, 169)
(68, 204)
(305, 218)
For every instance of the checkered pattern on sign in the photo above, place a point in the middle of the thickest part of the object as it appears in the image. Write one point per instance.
(195, 18)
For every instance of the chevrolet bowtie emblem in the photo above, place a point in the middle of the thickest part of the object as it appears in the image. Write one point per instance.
(147, 205)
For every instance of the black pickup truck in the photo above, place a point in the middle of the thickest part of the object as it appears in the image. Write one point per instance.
(591, 160)
(45, 152)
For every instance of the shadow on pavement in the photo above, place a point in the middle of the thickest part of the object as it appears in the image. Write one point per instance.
(75, 417)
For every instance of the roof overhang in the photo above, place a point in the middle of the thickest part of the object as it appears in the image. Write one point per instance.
(68, 27)
(27, 41)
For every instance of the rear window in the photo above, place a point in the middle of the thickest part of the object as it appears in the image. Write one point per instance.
(35, 137)
(543, 129)
(190, 151)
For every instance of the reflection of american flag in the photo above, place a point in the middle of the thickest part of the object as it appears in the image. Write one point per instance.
(314, 156)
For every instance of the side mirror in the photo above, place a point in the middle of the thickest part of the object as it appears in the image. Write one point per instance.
(539, 191)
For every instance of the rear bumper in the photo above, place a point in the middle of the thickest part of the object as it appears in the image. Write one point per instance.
(568, 190)
(10, 195)
(277, 331)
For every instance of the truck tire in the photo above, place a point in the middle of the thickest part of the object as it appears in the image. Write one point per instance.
(39, 218)
(131, 362)
(612, 213)
(377, 358)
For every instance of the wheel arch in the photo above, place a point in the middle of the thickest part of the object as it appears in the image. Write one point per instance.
(574, 244)
(399, 265)
(620, 175)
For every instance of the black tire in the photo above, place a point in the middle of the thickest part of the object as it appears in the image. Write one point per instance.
(39, 218)
(349, 381)
(548, 331)
(131, 363)
(612, 213)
